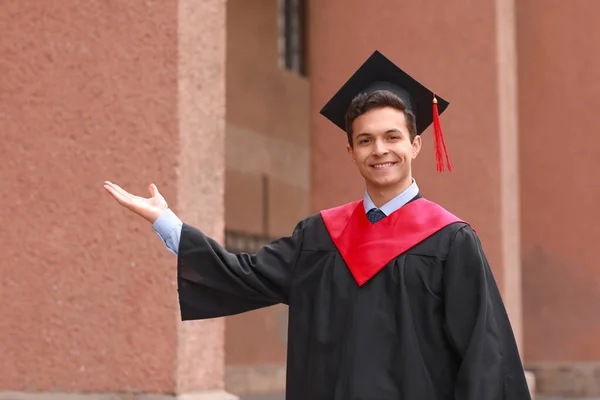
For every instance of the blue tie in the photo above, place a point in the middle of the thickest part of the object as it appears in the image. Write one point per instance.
(375, 215)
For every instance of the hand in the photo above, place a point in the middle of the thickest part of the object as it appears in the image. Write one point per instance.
(150, 209)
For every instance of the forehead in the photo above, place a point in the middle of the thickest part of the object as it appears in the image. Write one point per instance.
(379, 120)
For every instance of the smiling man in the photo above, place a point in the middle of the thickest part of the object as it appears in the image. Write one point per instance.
(390, 297)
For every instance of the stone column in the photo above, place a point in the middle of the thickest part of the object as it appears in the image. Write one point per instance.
(131, 92)
(201, 176)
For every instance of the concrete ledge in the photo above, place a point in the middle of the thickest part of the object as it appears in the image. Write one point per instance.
(212, 395)
(571, 380)
(264, 396)
(216, 395)
(257, 378)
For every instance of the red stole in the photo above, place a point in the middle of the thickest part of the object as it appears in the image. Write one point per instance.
(367, 248)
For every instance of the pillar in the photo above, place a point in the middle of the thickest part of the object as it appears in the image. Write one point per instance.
(131, 92)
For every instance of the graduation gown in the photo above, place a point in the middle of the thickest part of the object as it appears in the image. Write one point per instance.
(406, 308)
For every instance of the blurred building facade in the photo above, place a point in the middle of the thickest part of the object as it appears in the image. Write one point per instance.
(217, 103)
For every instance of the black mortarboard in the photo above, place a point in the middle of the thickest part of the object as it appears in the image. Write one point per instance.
(379, 73)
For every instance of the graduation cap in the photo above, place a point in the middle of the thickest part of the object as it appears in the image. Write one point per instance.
(379, 73)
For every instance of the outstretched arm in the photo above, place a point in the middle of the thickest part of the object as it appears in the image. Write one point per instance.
(211, 281)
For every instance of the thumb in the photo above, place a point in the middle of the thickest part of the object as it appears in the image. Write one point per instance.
(153, 190)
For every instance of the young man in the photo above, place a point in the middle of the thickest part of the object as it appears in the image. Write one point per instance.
(390, 297)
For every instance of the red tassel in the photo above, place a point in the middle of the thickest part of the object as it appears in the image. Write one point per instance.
(440, 144)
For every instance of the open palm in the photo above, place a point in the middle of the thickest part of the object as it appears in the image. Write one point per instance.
(149, 208)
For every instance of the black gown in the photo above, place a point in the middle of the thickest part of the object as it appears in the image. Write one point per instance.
(429, 325)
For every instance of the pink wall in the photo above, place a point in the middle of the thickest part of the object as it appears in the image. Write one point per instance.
(87, 93)
(559, 74)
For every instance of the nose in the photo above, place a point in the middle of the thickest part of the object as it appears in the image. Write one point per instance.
(380, 148)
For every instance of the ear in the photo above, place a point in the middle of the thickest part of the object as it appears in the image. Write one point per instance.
(416, 146)
(350, 152)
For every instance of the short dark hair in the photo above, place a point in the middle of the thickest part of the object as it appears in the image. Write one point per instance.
(378, 99)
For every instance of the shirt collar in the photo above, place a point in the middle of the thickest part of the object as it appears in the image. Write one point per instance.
(394, 204)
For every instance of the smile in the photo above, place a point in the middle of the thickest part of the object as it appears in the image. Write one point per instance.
(383, 165)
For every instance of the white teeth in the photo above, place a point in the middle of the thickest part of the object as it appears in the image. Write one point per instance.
(383, 165)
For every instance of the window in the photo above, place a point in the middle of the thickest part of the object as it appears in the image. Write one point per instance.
(292, 35)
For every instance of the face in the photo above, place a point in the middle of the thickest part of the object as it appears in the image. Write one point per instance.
(382, 149)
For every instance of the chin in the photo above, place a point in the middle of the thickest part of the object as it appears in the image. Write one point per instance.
(384, 183)
(387, 180)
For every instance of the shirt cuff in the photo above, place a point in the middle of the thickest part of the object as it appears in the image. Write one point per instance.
(166, 223)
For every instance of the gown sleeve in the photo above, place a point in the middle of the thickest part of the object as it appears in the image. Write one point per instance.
(478, 326)
(213, 282)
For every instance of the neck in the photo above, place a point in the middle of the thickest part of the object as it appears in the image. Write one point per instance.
(381, 195)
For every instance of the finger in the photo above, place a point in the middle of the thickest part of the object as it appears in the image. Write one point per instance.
(119, 197)
(110, 189)
(153, 190)
(121, 190)
(111, 185)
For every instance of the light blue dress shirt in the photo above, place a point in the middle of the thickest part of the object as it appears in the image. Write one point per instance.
(395, 203)
(168, 225)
